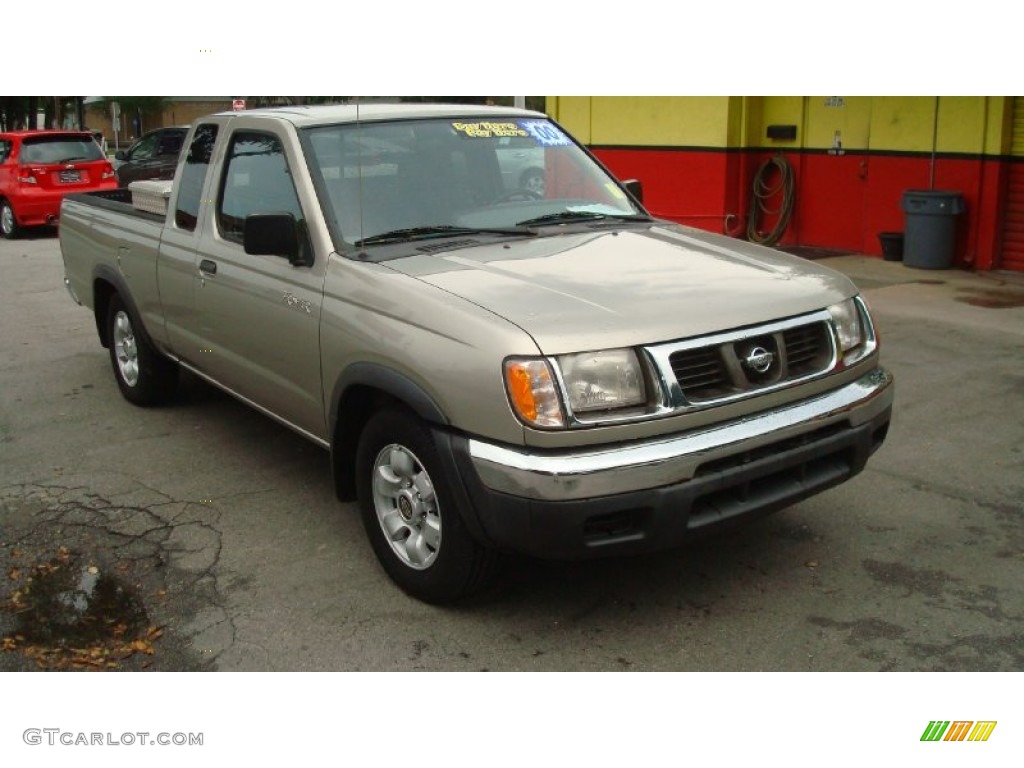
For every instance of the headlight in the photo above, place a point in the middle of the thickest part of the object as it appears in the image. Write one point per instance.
(846, 319)
(532, 392)
(854, 329)
(591, 381)
(600, 381)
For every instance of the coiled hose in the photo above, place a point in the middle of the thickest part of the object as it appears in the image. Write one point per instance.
(764, 192)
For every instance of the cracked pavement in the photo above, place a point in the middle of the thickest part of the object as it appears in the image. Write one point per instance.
(225, 527)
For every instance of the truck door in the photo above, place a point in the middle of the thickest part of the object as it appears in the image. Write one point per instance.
(259, 316)
(179, 245)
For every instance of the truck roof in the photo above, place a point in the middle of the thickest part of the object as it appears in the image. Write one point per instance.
(305, 116)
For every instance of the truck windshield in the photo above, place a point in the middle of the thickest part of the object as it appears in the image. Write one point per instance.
(382, 178)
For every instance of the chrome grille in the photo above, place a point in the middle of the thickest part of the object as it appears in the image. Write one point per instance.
(700, 372)
(746, 362)
(807, 348)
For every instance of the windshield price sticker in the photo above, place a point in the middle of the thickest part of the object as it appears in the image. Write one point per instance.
(488, 130)
(546, 134)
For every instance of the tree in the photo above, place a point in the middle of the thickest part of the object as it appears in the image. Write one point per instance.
(17, 112)
(255, 102)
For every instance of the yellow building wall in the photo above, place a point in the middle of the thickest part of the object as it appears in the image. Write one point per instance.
(670, 121)
(966, 124)
(776, 110)
(573, 112)
(823, 118)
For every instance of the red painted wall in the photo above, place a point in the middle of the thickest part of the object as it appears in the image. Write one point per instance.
(841, 201)
(691, 187)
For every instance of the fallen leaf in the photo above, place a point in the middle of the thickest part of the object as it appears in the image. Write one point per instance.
(154, 632)
(14, 574)
(811, 564)
(141, 646)
(93, 569)
(16, 553)
(63, 553)
(9, 644)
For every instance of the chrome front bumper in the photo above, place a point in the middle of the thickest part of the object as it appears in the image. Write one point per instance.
(624, 468)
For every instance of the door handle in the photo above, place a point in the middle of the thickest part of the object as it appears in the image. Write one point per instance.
(208, 267)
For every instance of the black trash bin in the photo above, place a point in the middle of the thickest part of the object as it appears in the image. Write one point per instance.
(929, 238)
(892, 245)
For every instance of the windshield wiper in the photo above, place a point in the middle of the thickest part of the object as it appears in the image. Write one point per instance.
(568, 217)
(439, 230)
(72, 158)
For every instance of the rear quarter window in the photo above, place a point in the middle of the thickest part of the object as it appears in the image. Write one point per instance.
(193, 177)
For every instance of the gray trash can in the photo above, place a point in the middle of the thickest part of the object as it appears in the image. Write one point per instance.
(929, 236)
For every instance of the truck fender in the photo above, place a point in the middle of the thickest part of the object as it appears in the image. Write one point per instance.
(359, 390)
(109, 275)
(367, 383)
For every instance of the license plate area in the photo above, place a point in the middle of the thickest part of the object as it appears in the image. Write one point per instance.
(70, 177)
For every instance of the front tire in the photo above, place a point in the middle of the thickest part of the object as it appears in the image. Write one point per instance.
(144, 376)
(8, 223)
(410, 514)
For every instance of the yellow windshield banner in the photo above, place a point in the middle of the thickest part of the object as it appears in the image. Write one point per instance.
(488, 130)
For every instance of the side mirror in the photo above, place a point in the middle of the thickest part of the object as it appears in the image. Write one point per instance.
(274, 234)
(636, 189)
(119, 155)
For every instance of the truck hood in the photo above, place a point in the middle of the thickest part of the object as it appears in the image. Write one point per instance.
(615, 288)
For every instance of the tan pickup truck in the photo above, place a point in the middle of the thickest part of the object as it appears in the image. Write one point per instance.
(497, 360)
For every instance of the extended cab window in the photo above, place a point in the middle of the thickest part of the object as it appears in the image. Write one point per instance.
(193, 177)
(256, 180)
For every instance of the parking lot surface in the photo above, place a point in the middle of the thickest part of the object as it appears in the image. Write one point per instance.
(205, 536)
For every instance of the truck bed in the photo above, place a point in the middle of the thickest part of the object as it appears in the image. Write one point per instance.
(103, 235)
(119, 200)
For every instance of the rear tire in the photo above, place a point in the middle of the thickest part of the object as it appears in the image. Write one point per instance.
(144, 376)
(9, 228)
(410, 514)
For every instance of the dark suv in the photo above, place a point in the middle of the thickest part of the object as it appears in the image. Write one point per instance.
(154, 156)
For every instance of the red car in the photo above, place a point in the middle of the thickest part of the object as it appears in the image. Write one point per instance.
(37, 168)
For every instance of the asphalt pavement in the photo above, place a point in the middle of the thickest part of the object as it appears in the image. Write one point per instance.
(210, 537)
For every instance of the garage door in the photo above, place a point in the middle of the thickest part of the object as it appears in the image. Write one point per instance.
(1013, 221)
